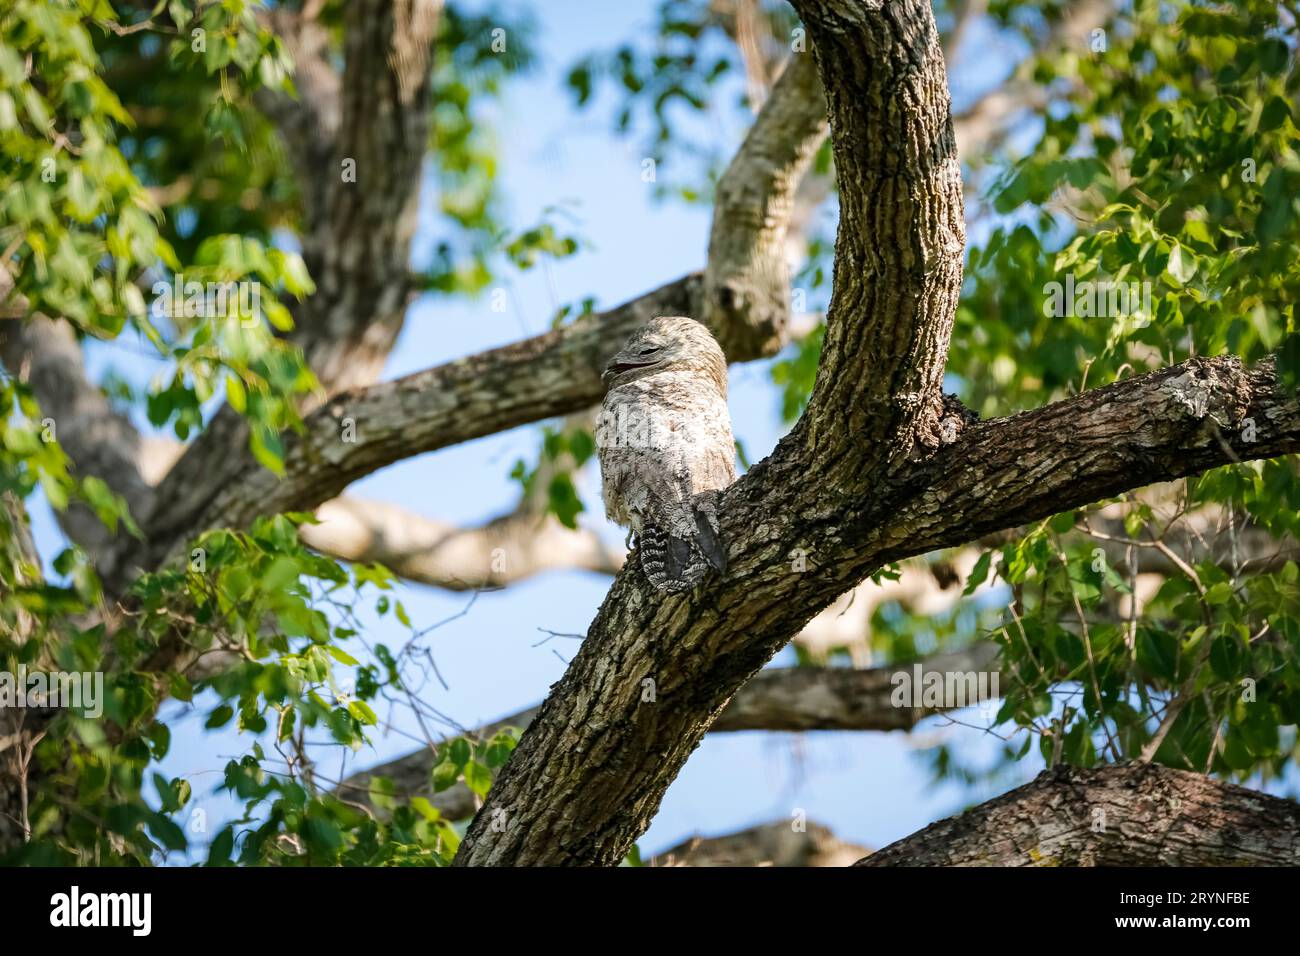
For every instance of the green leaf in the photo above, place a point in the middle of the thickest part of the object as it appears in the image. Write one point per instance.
(173, 794)
(381, 793)
(499, 750)
(180, 687)
(1062, 522)
(342, 656)
(362, 712)
(424, 808)
(478, 778)
(1276, 112)
(219, 717)
(221, 848)
(166, 832)
(1220, 593)
(1157, 651)
(236, 394)
(979, 573)
(1181, 266)
(563, 500)
(1226, 657)
(444, 776)
(281, 573)
(267, 449)
(459, 751)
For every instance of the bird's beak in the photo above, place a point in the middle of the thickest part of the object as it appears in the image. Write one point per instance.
(619, 364)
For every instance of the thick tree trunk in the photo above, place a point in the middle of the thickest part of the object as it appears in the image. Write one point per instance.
(1121, 815)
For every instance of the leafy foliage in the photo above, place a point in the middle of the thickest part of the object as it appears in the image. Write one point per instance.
(84, 239)
(550, 484)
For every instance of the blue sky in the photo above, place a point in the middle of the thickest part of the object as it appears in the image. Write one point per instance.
(868, 787)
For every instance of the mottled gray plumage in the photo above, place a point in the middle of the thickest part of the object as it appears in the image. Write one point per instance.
(666, 449)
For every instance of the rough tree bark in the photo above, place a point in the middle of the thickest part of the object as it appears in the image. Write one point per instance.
(1120, 815)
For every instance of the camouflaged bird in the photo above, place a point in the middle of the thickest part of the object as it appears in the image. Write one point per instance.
(666, 450)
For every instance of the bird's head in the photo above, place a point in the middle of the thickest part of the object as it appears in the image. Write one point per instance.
(668, 344)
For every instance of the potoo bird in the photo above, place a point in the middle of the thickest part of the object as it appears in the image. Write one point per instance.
(666, 450)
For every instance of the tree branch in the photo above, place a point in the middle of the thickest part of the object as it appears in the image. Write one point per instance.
(898, 253)
(1119, 815)
(362, 431)
(747, 282)
(772, 844)
(778, 699)
(1169, 424)
(357, 142)
(506, 549)
(359, 256)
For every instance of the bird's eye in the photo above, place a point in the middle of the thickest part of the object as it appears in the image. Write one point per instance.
(648, 349)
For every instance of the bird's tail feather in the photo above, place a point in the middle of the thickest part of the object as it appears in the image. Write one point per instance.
(676, 563)
(708, 542)
(671, 563)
